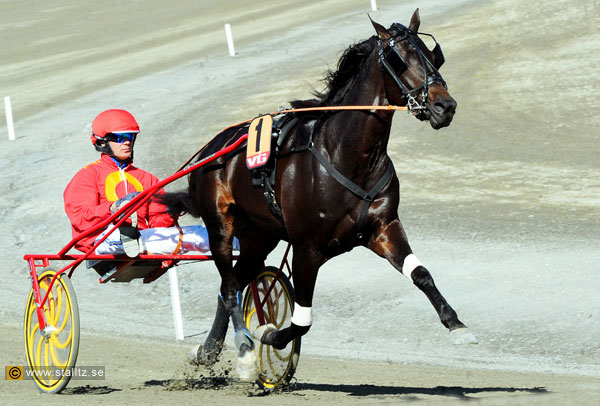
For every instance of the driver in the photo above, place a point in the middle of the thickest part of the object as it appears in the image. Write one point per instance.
(102, 187)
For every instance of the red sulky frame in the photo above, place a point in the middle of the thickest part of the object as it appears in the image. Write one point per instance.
(36, 261)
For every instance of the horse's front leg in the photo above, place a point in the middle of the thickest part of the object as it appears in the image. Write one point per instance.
(389, 241)
(305, 265)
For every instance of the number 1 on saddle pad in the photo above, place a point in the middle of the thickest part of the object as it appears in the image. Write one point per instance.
(258, 147)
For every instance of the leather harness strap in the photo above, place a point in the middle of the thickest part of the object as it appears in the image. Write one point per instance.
(367, 197)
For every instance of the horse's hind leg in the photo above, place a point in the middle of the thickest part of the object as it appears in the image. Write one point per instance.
(254, 251)
(220, 230)
(390, 242)
(249, 264)
(210, 351)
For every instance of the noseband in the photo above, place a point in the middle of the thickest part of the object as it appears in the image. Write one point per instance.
(393, 62)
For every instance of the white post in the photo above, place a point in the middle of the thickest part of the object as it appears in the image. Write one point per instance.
(374, 5)
(229, 40)
(9, 119)
(175, 303)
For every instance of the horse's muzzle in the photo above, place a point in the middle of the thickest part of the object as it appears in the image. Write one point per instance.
(440, 112)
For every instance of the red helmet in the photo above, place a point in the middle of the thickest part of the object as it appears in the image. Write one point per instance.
(113, 121)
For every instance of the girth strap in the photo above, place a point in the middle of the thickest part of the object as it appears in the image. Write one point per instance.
(271, 200)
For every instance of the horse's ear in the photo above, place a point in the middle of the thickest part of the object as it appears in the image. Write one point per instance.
(382, 32)
(415, 21)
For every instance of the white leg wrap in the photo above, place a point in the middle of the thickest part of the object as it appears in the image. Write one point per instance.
(302, 315)
(411, 262)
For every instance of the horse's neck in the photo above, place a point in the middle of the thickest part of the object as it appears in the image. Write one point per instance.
(368, 131)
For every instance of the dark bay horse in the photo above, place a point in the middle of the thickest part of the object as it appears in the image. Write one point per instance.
(335, 185)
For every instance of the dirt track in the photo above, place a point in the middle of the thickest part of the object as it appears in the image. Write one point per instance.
(150, 371)
(503, 206)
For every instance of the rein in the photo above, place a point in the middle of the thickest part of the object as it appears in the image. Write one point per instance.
(300, 110)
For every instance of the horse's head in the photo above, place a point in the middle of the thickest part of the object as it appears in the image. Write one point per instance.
(412, 74)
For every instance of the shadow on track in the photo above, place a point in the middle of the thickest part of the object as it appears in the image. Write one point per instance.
(89, 390)
(458, 392)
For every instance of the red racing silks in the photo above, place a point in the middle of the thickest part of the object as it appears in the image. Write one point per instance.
(93, 189)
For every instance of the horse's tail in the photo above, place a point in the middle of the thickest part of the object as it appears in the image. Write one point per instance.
(178, 203)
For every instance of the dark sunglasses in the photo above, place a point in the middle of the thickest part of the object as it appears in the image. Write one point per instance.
(120, 137)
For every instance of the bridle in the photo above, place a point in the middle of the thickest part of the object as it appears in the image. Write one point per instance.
(395, 65)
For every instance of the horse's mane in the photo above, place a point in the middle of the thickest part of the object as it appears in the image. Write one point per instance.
(339, 81)
(349, 65)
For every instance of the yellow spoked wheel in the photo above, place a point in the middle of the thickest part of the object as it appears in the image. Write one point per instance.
(275, 367)
(51, 352)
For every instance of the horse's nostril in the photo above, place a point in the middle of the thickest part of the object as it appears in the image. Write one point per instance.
(443, 107)
(439, 107)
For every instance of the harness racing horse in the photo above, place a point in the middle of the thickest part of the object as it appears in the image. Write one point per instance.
(335, 187)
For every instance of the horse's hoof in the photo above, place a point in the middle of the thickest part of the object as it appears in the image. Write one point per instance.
(194, 354)
(246, 367)
(198, 355)
(261, 331)
(462, 336)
